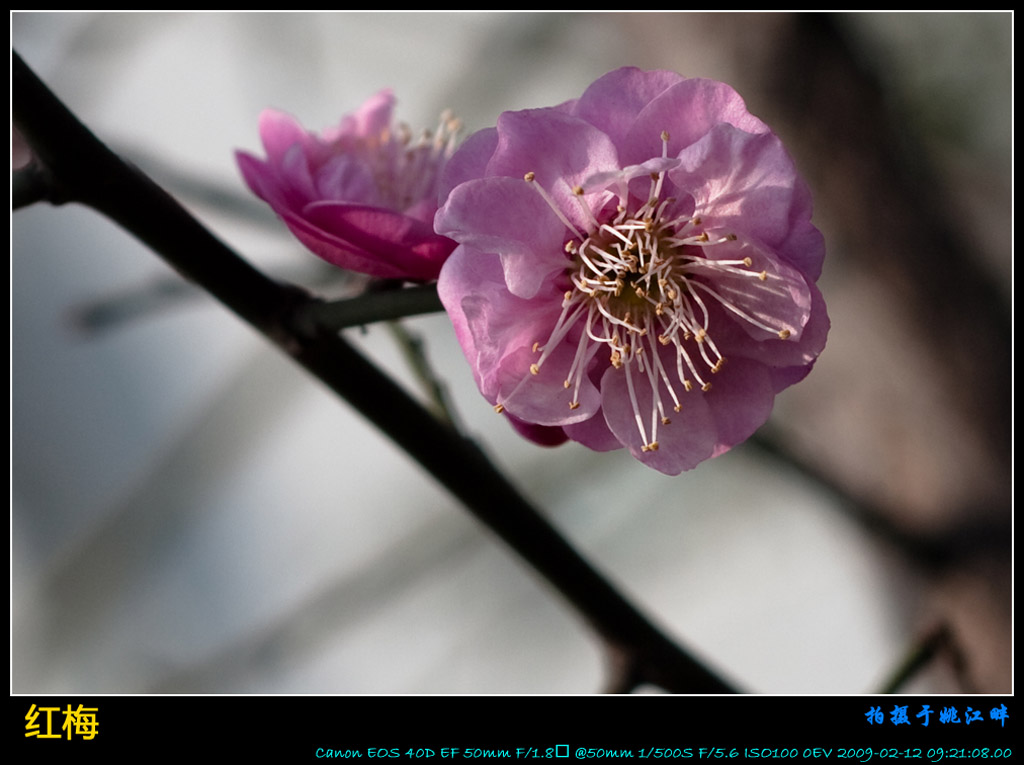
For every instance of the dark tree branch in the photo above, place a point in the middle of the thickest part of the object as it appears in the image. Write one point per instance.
(84, 170)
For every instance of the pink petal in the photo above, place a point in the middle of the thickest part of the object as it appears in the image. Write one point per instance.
(539, 434)
(613, 101)
(593, 434)
(740, 402)
(346, 178)
(469, 162)
(782, 301)
(400, 246)
(685, 443)
(370, 119)
(687, 111)
(279, 132)
(561, 151)
(737, 342)
(490, 323)
(507, 217)
(542, 398)
(748, 184)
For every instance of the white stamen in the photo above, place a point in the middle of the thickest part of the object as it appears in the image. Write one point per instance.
(644, 273)
(531, 178)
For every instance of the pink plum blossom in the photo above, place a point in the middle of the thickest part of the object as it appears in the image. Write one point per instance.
(635, 268)
(361, 195)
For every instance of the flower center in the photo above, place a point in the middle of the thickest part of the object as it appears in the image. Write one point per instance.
(641, 279)
(407, 171)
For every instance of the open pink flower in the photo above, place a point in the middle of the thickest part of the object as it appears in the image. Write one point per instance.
(636, 268)
(362, 195)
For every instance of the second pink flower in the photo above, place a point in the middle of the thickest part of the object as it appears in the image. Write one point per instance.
(362, 195)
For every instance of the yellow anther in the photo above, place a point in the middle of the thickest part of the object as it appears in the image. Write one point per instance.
(574, 404)
(706, 387)
(499, 408)
(763, 276)
(529, 176)
(748, 261)
(784, 333)
(534, 369)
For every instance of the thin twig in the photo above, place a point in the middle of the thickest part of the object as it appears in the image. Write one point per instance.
(111, 311)
(933, 643)
(411, 346)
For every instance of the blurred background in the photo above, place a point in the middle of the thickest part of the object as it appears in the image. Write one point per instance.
(192, 513)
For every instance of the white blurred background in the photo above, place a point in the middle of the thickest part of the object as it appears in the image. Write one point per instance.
(192, 513)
